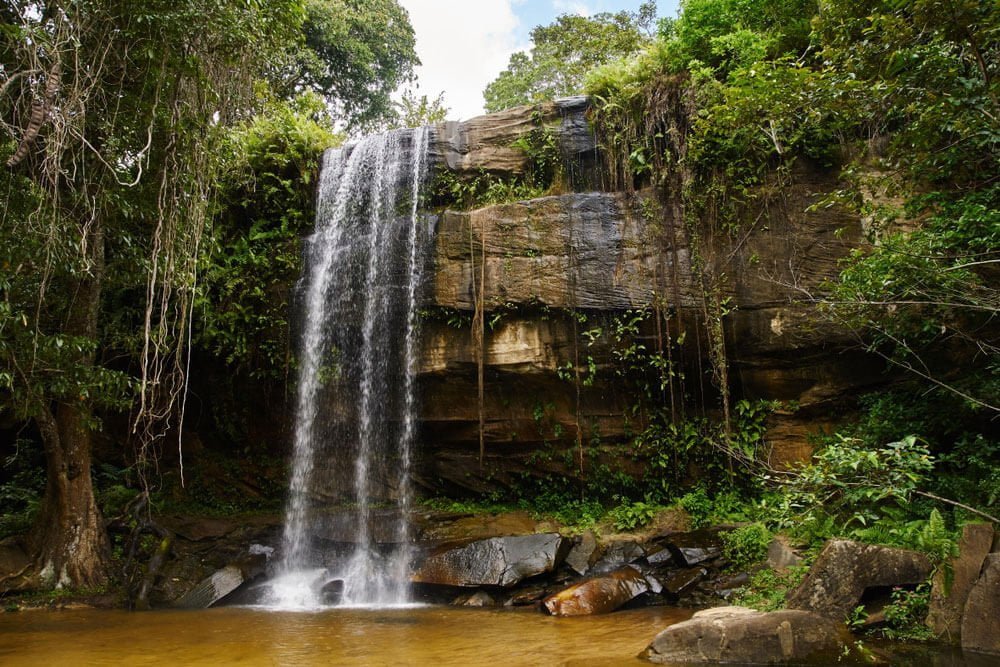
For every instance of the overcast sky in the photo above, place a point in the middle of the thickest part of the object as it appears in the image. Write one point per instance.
(464, 44)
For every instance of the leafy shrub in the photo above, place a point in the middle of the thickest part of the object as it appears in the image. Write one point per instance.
(698, 506)
(906, 613)
(631, 515)
(768, 589)
(746, 545)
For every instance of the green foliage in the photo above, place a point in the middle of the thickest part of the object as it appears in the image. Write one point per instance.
(20, 494)
(631, 515)
(413, 111)
(485, 189)
(265, 207)
(355, 53)
(562, 53)
(541, 145)
(727, 34)
(906, 614)
(746, 545)
(704, 510)
(769, 588)
(849, 485)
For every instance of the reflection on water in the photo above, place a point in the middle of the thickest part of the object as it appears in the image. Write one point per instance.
(437, 636)
(239, 636)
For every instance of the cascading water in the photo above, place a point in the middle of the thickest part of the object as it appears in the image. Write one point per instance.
(355, 419)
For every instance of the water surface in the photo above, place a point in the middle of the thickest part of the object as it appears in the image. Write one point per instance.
(240, 636)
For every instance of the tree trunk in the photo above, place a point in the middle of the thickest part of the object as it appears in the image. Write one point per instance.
(69, 539)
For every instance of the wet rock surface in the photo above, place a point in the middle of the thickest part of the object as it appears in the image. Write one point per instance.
(744, 636)
(845, 569)
(618, 553)
(221, 583)
(583, 554)
(689, 549)
(498, 561)
(598, 595)
(212, 545)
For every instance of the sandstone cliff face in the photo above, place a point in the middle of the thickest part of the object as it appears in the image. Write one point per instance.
(562, 267)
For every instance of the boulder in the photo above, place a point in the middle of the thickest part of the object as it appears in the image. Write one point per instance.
(952, 585)
(741, 635)
(845, 569)
(618, 553)
(780, 554)
(662, 558)
(332, 591)
(981, 619)
(698, 546)
(477, 599)
(223, 582)
(598, 595)
(523, 597)
(583, 554)
(683, 581)
(498, 561)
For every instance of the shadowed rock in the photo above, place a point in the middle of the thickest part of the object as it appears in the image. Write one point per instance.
(598, 595)
(981, 620)
(741, 635)
(223, 582)
(684, 580)
(498, 561)
(843, 571)
(583, 554)
(698, 546)
(616, 554)
(950, 593)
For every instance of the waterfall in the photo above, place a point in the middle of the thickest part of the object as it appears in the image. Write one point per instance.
(355, 414)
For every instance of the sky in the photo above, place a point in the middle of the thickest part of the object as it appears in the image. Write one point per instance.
(465, 44)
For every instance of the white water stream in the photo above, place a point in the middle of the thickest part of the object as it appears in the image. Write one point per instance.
(355, 416)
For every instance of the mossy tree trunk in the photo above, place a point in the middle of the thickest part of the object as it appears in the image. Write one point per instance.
(69, 539)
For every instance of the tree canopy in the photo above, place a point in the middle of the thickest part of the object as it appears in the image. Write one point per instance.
(116, 122)
(562, 53)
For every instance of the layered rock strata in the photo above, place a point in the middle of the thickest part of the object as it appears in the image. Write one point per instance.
(555, 269)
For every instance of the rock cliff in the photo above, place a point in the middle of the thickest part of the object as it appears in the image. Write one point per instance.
(562, 271)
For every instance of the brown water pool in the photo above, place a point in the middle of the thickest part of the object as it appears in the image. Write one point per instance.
(244, 636)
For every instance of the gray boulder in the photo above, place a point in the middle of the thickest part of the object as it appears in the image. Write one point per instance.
(746, 636)
(845, 569)
(497, 561)
(583, 554)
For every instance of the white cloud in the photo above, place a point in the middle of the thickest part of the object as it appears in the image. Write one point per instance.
(462, 45)
(571, 7)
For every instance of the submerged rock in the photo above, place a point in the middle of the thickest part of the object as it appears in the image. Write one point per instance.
(524, 597)
(498, 561)
(981, 620)
(741, 635)
(477, 599)
(952, 585)
(843, 571)
(598, 595)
